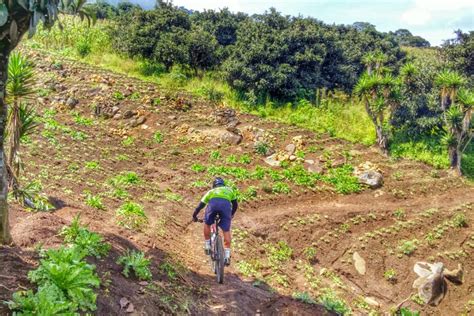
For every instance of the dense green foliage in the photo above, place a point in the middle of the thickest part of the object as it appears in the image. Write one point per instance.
(459, 53)
(405, 38)
(268, 55)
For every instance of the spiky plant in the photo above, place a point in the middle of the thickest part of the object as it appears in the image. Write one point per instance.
(20, 119)
(449, 82)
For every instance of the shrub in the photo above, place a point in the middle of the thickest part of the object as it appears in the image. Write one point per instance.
(83, 47)
(304, 297)
(407, 247)
(332, 302)
(136, 261)
(460, 220)
(262, 148)
(343, 180)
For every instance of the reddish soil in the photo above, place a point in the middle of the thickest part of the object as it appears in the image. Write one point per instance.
(335, 225)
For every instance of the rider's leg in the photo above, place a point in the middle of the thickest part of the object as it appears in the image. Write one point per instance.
(209, 218)
(227, 239)
(207, 232)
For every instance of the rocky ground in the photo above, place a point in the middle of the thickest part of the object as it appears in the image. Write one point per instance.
(295, 232)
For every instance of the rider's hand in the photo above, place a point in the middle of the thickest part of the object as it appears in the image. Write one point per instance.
(195, 219)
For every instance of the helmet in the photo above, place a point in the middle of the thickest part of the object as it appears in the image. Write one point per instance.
(218, 182)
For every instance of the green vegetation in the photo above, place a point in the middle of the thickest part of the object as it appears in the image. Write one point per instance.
(304, 297)
(94, 201)
(407, 247)
(390, 275)
(332, 302)
(137, 262)
(131, 215)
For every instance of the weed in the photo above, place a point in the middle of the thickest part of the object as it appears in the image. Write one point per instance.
(332, 302)
(128, 141)
(91, 164)
(250, 193)
(135, 96)
(131, 215)
(83, 47)
(231, 159)
(245, 159)
(417, 299)
(122, 157)
(390, 275)
(407, 247)
(279, 253)
(262, 148)
(246, 268)
(125, 179)
(168, 268)
(198, 168)
(304, 297)
(173, 196)
(199, 184)
(80, 120)
(158, 137)
(405, 311)
(460, 220)
(215, 155)
(280, 187)
(343, 180)
(399, 214)
(136, 261)
(310, 253)
(94, 201)
(397, 175)
(117, 95)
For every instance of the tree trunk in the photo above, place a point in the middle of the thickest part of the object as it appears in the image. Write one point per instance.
(382, 139)
(4, 225)
(455, 156)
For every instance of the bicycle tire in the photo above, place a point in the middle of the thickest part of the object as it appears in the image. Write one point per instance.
(219, 260)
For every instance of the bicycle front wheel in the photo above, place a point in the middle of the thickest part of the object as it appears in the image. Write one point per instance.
(219, 263)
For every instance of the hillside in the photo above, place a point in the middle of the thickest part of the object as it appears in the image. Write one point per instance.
(290, 237)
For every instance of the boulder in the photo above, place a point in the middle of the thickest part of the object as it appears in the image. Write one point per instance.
(313, 168)
(127, 114)
(371, 178)
(72, 102)
(430, 283)
(231, 138)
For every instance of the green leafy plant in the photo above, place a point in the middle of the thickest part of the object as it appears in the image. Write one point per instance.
(460, 220)
(131, 215)
(399, 214)
(215, 155)
(136, 261)
(117, 95)
(281, 187)
(407, 247)
(91, 164)
(75, 278)
(158, 137)
(310, 253)
(128, 141)
(405, 311)
(262, 148)
(48, 300)
(332, 302)
(390, 275)
(125, 179)
(198, 168)
(94, 201)
(304, 297)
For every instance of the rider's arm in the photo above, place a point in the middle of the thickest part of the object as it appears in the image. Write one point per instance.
(234, 206)
(199, 208)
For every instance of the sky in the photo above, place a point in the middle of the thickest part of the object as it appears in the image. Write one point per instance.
(434, 20)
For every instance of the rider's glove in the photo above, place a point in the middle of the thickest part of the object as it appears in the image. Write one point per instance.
(195, 219)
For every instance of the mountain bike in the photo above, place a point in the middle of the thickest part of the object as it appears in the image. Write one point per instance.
(217, 251)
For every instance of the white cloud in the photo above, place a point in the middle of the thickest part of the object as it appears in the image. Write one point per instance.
(423, 12)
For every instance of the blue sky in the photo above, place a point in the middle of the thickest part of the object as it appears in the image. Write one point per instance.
(435, 20)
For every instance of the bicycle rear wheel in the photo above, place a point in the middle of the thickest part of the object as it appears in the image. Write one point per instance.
(219, 260)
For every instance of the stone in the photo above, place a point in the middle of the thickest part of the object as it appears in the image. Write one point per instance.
(272, 161)
(72, 102)
(124, 302)
(143, 283)
(338, 163)
(292, 158)
(359, 263)
(371, 178)
(231, 138)
(140, 120)
(290, 149)
(371, 301)
(115, 109)
(130, 309)
(127, 114)
(314, 168)
(117, 116)
(172, 117)
(309, 161)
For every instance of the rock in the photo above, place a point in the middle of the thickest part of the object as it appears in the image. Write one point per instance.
(359, 263)
(309, 161)
(115, 109)
(143, 283)
(172, 117)
(338, 163)
(371, 301)
(139, 121)
(290, 149)
(430, 283)
(314, 168)
(130, 309)
(127, 114)
(117, 116)
(124, 302)
(371, 178)
(231, 138)
(272, 161)
(292, 158)
(72, 102)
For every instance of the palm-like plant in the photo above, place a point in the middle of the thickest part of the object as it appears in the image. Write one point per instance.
(76, 8)
(20, 116)
(449, 82)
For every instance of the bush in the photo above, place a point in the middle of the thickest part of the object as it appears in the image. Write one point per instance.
(136, 261)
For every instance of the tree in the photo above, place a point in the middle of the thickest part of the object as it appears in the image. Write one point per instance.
(459, 53)
(405, 38)
(379, 92)
(202, 47)
(20, 120)
(17, 18)
(457, 105)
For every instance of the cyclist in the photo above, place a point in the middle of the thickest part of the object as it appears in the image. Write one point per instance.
(221, 200)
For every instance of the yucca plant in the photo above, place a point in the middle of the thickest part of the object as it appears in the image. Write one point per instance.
(457, 104)
(379, 94)
(21, 117)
